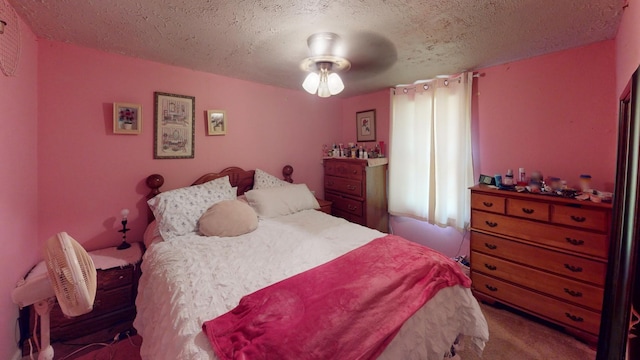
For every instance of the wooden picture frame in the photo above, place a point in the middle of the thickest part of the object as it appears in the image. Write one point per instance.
(366, 125)
(174, 120)
(216, 122)
(127, 118)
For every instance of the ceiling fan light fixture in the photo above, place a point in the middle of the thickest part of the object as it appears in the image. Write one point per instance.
(323, 65)
(323, 89)
(335, 84)
(311, 83)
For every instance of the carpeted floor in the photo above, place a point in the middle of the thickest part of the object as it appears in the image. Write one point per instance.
(512, 336)
(126, 349)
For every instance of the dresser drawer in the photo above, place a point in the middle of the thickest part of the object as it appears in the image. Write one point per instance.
(356, 219)
(563, 288)
(344, 169)
(556, 310)
(528, 209)
(488, 203)
(346, 186)
(116, 321)
(350, 206)
(105, 302)
(584, 218)
(353, 171)
(578, 241)
(556, 262)
(112, 278)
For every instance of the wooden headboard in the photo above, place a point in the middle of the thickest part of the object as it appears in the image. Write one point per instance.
(243, 179)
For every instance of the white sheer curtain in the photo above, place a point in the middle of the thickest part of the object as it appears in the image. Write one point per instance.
(430, 163)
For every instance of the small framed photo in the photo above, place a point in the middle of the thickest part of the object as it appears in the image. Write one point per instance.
(174, 118)
(216, 122)
(127, 118)
(366, 125)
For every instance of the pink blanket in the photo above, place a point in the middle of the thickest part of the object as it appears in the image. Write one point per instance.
(348, 308)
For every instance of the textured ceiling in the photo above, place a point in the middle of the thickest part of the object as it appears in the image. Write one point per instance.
(389, 42)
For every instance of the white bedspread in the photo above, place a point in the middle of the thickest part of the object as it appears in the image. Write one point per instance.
(190, 279)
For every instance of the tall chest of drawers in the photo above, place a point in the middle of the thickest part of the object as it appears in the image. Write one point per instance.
(541, 254)
(358, 190)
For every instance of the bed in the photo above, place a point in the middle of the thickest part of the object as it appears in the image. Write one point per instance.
(189, 279)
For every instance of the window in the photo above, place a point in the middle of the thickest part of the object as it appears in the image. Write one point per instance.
(430, 162)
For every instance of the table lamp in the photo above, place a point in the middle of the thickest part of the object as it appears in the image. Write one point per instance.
(124, 244)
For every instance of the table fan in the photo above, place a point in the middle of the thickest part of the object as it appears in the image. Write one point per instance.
(70, 277)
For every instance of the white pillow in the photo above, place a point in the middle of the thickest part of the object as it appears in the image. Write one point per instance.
(177, 211)
(264, 180)
(281, 200)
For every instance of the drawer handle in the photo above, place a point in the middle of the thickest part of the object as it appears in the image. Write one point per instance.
(527, 211)
(491, 223)
(578, 218)
(352, 207)
(355, 172)
(490, 267)
(491, 288)
(574, 318)
(573, 268)
(351, 187)
(490, 246)
(573, 292)
(487, 204)
(575, 242)
(330, 183)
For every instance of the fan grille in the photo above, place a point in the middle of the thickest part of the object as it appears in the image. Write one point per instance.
(72, 274)
(10, 42)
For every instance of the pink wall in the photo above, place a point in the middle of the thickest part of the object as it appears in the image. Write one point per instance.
(18, 183)
(555, 113)
(627, 45)
(380, 102)
(88, 174)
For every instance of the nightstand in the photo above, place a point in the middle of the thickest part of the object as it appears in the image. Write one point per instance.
(325, 206)
(114, 307)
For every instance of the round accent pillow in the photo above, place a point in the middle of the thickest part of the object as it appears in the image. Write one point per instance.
(228, 218)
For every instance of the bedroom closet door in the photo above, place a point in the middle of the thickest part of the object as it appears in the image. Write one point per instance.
(617, 340)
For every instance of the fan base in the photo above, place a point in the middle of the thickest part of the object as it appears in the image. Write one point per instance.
(46, 353)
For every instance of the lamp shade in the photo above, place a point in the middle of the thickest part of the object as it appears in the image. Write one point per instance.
(311, 83)
(325, 83)
(335, 84)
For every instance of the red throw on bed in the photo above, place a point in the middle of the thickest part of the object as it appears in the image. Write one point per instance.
(348, 308)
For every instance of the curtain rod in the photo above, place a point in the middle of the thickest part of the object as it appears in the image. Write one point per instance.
(440, 77)
(425, 83)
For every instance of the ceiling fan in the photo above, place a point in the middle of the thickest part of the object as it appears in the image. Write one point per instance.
(355, 57)
(324, 64)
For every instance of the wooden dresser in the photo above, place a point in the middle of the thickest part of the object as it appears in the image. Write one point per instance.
(114, 307)
(358, 190)
(542, 254)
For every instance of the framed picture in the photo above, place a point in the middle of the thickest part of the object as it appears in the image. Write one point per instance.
(366, 125)
(216, 122)
(127, 118)
(174, 126)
